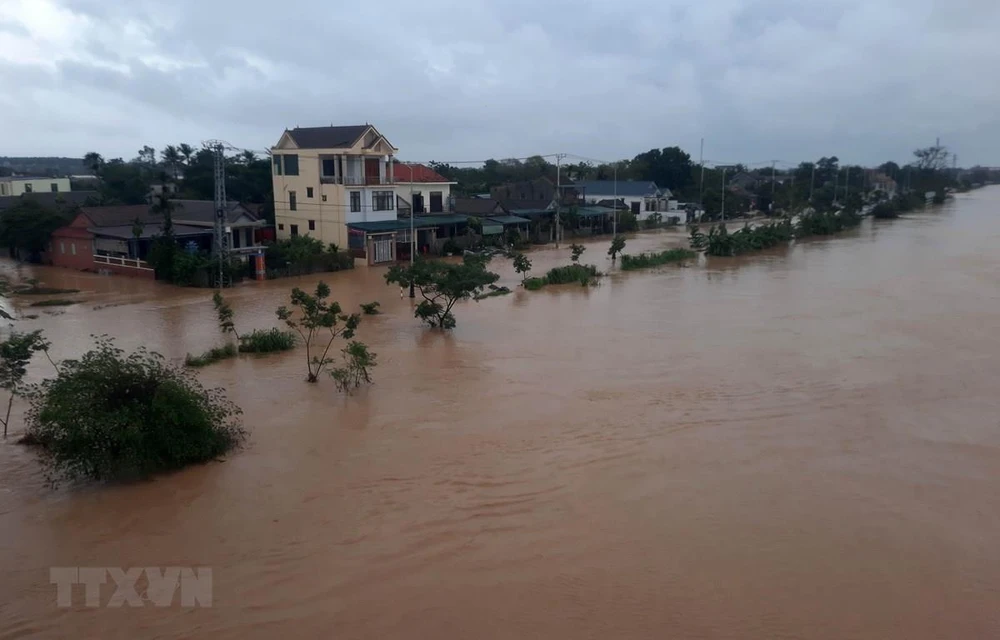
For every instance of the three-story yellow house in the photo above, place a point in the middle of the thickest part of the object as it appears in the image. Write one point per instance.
(327, 177)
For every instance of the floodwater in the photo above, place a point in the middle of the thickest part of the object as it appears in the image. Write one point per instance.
(798, 444)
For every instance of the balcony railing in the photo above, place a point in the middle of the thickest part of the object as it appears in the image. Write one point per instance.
(356, 181)
(122, 262)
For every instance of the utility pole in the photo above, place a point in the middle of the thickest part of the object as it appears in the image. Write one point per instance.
(413, 239)
(559, 157)
(723, 195)
(847, 183)
(614, 218)
(812, 184)
(221, 239)
(701, 187)
(773, 162)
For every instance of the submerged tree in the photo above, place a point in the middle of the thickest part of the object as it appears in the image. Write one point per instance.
(577, 251)
(522, 265)
(358, 363)
(15, 354)
(313, 316)
(617, 246)
(442, 284)
(225, 315)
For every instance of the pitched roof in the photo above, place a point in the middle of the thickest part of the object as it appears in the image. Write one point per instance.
(149, 230)
(196, 212)
(516, 205)
(117, 215)
(327, 137)
(476, 206)
(626, 188)
(203, 211)
(405, 172)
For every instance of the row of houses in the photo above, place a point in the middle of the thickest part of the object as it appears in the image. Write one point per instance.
(117, 239)
(344, 185)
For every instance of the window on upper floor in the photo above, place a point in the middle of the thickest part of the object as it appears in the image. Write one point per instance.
(355, 201)
(291, 164)
(295, 229)
(277, 164)
(312, 225)
(54, 187)
(309, 192)
(329, 167)
(292, 203)
(437, 202)
(382, 200)
(281, 227)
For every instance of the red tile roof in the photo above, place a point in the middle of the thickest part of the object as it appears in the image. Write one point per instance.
(421, 173)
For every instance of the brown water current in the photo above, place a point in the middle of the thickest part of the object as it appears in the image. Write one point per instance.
(803, 443)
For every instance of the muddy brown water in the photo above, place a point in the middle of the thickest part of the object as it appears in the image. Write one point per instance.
(798, 444)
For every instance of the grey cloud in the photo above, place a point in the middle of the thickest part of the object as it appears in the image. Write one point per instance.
(759, 79)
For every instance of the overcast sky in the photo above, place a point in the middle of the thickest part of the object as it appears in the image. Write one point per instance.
(866, 80)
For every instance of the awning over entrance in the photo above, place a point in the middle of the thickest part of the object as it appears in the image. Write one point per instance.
(506, 220)
(401, 224)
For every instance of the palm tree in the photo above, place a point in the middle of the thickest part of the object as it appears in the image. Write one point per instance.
(94, 162)
(172, 158)
(248, 157)
(187, 151)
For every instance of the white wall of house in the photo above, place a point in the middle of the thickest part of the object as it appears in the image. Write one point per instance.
(648, 205)
(17, 186)
(362, 207)
(425, 189)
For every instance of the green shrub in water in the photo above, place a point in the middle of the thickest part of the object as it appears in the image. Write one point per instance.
(267, 341)
(112, 416)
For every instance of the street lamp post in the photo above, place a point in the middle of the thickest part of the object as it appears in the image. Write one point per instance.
(413, 239)
(614, 218)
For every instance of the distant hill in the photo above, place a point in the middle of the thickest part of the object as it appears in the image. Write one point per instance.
(51, 166)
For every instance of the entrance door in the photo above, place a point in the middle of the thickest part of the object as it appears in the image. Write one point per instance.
(371, 171)
(382, 249)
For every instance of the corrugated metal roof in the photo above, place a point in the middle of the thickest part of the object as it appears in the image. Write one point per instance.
(419, 222)
(593, 212)
(508, 220)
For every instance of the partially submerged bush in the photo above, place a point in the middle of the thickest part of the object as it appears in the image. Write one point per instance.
(582, 273)
(647, 260)
(112, 416)
(212, 355)
(534, 284)
(370, 308)
(267, 341)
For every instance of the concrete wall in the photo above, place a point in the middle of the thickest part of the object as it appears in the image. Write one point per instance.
(425, 189)
(17, 186)
(72, 253)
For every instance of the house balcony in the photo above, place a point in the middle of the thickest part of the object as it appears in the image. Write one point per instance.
(356, 181)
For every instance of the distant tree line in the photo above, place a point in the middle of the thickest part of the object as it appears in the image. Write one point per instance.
(191, 170)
